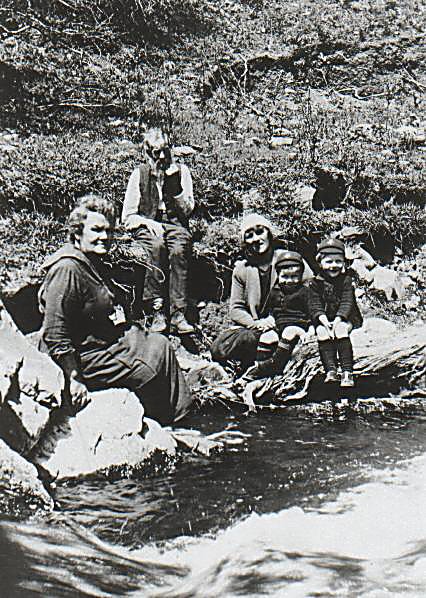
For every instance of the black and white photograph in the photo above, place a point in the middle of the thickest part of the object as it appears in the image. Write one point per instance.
(212, 298)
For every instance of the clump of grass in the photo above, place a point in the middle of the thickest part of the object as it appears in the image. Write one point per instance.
(26, 238)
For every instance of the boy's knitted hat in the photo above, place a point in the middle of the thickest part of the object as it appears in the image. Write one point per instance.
(289, 259)
(253, 220)
(331, 247)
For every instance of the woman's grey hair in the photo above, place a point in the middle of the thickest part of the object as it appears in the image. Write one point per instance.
(85, 204)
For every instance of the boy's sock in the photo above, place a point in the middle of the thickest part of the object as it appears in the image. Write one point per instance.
(328, 354)
(346, 354)
(263, 353)
(265, 350)
(273, 365)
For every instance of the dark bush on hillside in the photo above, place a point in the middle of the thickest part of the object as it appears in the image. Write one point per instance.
(48, 173)
(91, 22)
(33, 236)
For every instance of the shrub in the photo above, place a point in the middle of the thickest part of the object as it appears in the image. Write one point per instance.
(48, 173)
(92, 22)
(32, 236)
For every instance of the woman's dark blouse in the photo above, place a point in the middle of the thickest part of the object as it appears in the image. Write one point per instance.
(334, 297)
(265, 285)
(77, 303)
(290, 309)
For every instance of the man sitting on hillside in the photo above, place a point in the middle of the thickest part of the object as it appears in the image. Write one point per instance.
(157, 206)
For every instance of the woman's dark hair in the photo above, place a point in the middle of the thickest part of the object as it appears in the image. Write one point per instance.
(85, 204)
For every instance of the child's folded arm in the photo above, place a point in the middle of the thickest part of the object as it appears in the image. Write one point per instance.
(316, 305)
(347, 300)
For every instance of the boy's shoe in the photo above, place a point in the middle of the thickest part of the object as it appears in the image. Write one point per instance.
(251, 374)
(180, 325)
(269, 367)
(331, 377)
(347, 380)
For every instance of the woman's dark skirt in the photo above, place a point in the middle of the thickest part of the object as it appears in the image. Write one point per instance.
(146, 364)
(236, 344)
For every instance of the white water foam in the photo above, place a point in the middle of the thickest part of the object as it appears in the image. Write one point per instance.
(371, 541)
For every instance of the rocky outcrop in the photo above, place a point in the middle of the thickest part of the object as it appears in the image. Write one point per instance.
(21, 491)
(108, 437)
(30, 386)
(380, 278)
(388, 362)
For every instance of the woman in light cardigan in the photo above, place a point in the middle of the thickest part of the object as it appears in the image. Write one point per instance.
(252, 281)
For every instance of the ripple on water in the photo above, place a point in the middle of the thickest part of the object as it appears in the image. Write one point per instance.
(310, 507)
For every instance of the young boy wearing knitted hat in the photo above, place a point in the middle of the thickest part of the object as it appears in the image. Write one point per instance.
(334, 311)
(288, 304)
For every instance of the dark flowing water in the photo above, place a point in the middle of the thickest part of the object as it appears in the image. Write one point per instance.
(307, 506)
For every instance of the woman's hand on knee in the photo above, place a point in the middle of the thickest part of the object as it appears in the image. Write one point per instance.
(78, 393)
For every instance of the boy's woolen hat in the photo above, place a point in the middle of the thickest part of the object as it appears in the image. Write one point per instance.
(289, 259)
(331, 247)
(253, 220)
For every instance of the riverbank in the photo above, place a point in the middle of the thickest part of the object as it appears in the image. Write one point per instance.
(312, 114)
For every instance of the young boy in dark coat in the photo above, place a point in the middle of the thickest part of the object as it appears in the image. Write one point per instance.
(288, 303)
(334, 311)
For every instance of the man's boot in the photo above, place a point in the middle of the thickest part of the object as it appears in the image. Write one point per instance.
(180, 325)
(159, 321)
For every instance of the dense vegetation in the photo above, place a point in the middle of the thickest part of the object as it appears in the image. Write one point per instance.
(276, 98)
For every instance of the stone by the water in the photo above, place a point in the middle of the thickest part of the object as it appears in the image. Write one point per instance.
(388, 281)
(109, 436)
(21, 491)
(30, 386)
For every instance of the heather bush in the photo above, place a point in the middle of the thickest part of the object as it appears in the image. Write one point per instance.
(92, 22)
(32, 236)
(48, 173)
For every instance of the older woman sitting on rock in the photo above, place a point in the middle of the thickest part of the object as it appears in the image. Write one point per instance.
(83, 334)
(253, 336)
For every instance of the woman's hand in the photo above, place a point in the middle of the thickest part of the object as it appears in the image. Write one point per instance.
(265, 324)
(78, 393)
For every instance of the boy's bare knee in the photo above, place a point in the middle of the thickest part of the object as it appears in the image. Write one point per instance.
(269, 338)
(290, 333)
(342, 330)
(322, 333)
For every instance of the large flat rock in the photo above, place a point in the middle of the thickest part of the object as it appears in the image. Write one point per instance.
(109, 436)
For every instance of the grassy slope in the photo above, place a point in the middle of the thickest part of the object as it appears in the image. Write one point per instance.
(80, 85)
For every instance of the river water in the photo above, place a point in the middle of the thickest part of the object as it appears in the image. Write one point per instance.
(306, 506)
